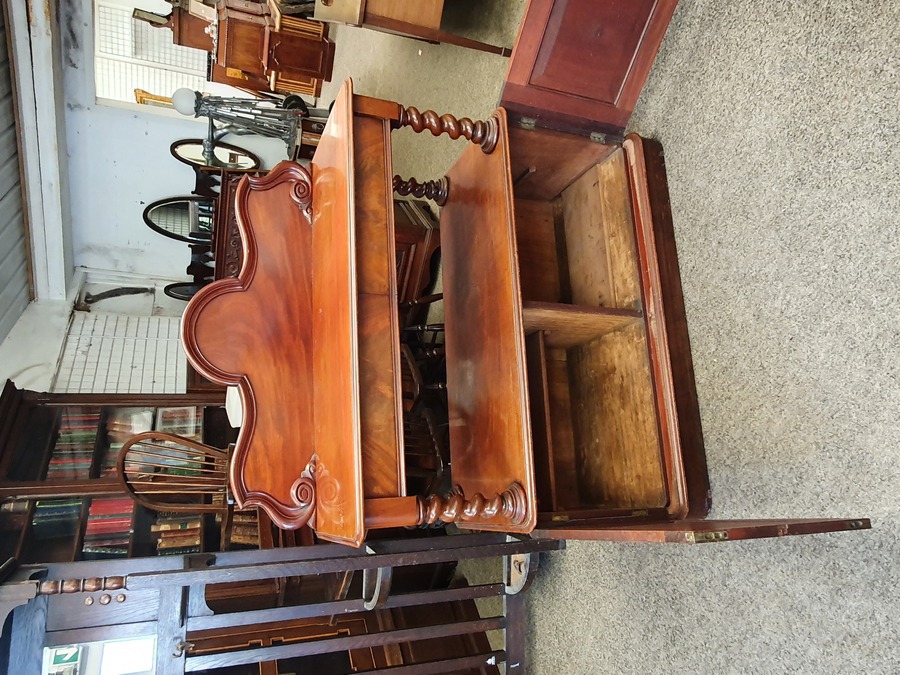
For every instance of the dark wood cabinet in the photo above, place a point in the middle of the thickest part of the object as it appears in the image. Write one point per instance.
(292, 55)
(60, 497)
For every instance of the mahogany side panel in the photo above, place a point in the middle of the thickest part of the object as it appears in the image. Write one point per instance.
(335, 367)
(667, 321)
(381, 416)
(265, 310)
(490, 437)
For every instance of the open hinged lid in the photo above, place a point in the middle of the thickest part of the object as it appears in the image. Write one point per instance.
(580, 65)
(696, 530)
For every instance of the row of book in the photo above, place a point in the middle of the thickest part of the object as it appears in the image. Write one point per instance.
(107, 532)
(73, 453)
(56, 518)
(245, 529)
(110, 526)
(74, 448)
(177, 533)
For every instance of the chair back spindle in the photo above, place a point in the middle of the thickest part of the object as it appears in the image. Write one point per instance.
(167, 472)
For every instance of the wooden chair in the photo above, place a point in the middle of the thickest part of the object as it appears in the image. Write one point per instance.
(424, 450)
(423, 338)
(167, 472)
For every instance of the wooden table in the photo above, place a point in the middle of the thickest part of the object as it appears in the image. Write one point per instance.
(308, 332)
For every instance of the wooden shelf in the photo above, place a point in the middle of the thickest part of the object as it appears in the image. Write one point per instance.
(572, 325)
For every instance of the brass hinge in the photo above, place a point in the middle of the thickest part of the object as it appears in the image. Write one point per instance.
(560, 518)
(597, 137)
(704, 537)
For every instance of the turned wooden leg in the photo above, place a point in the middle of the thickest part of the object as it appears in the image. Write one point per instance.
(484, 133)
(509, 504)
(436, 190)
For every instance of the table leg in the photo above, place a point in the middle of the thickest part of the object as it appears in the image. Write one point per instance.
(509, 505)
(484, 133)
(436, 190)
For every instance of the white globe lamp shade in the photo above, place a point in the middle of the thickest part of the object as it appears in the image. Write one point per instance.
(185, 101)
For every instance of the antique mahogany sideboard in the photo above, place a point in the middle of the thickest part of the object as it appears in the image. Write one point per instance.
(308, 331)
(570, 392)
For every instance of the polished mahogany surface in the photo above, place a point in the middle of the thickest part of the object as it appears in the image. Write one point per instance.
(490, 438)
(251, 329)
(379, 347)
(308, 331)
(335, 372)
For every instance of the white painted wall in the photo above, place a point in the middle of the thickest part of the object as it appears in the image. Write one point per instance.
(119, 161)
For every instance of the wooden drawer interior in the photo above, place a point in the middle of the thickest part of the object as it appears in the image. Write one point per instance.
(594, 419)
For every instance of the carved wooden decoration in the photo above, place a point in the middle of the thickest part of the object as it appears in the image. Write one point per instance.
(249, 330)
(483, 133)
(508, 507)
(436, 190)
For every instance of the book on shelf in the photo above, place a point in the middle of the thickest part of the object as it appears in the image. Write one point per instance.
(55, 518)
(175, 525)
(104, 552)
(184, 550)
(108, 525)
(113, 505)
(178, 542)
(245, 540)
(245, 529)
(49, 507)
(184, 420)
(93, 541)
(108, 529)
(181, 533)
(177, 533)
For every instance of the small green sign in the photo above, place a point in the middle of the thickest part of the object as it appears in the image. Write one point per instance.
(65, 656)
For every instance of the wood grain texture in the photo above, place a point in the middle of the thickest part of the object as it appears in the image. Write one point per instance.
(490, 439)
(335, 371)
(536, 243)
(572, 325)
(614, 419)
(381, 416)
(562, 433)
(544, 162)
(665, 305)
(539, 400)
(265, 310)
(584, 62)
(600, 240)
(376, 107)
(424, 13)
